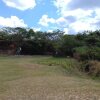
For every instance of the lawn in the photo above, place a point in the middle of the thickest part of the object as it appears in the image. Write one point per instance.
(45, 78)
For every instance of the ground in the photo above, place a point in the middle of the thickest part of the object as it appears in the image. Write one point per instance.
(44, 78)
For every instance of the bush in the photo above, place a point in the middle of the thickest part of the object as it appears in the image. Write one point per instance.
(80, 53)
(87, 53)
(91, 67)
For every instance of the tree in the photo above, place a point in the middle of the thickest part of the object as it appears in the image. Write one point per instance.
(31, 34)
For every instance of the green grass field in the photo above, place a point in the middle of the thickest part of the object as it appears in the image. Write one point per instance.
(45, 78)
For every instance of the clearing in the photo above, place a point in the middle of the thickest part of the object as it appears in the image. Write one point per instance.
(44, 78)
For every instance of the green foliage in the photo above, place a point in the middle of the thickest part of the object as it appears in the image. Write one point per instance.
(86, 44)
(3, 36)
(88, 53)
(68, 44)
(70, 65)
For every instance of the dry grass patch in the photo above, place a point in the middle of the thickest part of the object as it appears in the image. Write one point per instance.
(26, 78)
(52, 88)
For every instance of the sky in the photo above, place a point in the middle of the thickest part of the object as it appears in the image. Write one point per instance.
(70, 16)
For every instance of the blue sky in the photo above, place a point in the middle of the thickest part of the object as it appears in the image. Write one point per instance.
(32, 16)
(71, 16)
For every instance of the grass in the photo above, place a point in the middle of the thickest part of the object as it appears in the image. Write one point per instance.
(70, 65)
(44, 78)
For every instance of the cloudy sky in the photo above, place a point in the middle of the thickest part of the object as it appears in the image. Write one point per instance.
(71, 16)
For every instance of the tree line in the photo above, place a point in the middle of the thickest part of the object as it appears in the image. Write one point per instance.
(82, 46)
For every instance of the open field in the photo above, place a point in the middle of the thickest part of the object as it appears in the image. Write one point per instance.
(44, 78)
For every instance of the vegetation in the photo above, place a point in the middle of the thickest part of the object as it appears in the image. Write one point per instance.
(83, 46)
(92, 68)
(70, 65)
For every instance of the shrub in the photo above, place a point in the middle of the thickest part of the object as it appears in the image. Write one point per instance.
(91, 67)
(87, 53)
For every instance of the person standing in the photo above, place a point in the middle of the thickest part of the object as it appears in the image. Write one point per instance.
(18, 51)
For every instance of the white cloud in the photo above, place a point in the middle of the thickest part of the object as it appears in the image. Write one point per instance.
(61, 4)
(13, 21)
(76, 4)
(50, 31)
(66, 30)
(20, 4)
(36, 29)
(78, 15)
(84, 4)
(61, 21)
(45, 20)
(80, 26)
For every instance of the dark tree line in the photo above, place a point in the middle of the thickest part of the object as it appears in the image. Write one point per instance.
(85, 45)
